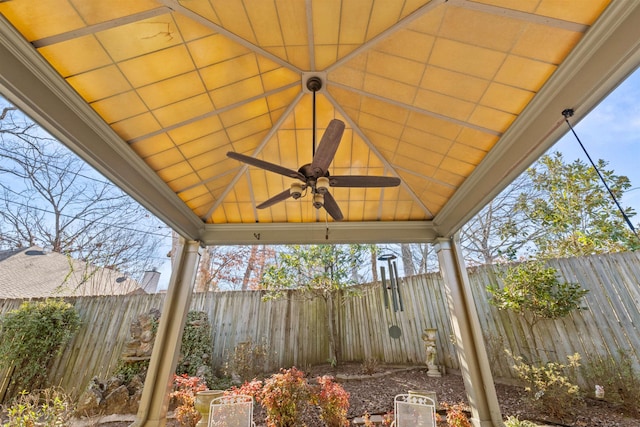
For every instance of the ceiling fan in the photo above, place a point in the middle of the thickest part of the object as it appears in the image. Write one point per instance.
(315, 175)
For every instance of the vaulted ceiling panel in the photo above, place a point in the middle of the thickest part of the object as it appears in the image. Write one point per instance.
(451, 97)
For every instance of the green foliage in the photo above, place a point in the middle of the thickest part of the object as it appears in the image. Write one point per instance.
(126, 371)
(576, 212)
(247, 360)
(32, 336)
(197, 346)
(548, 385)
(516, 422)
(620, 380)
(532, 290)
(321, 268)
(49, 407)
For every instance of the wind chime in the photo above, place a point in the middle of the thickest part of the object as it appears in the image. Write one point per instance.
(391, 287)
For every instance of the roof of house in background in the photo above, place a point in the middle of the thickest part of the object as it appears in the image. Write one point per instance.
(35, 273)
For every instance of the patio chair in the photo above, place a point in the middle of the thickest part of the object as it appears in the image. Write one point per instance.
(231, 411)
(413, 410)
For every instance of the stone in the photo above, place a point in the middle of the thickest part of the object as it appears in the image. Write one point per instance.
(117, 401)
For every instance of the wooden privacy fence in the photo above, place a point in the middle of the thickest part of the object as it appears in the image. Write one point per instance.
(294, 328)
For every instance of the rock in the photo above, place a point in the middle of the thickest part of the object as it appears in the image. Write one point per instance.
(91, 400)
(117, 402)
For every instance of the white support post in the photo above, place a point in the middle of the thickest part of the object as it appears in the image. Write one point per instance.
(154, 402)
(474, 363)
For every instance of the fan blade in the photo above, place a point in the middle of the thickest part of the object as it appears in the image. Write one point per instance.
(271, 167)
(332, 207)
(363, 181)
(275, 199)
(327, 147)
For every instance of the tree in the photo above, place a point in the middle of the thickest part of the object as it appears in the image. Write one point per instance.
(533, 291)
(499, 231)
(233, 267)
(319, 270)
(52, 199)
(574, 210)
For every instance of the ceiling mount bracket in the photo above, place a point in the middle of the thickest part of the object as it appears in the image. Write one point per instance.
(314, 84)
(313, 81)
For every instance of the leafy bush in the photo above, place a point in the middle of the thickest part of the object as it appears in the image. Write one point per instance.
(456, 417)
(533, 290)
(333, 401)
(32, 336)
(247, 360)
(618, 377)
(48, 407)
(286, 397)
(548, 385)
(516, 422)
(184, 393)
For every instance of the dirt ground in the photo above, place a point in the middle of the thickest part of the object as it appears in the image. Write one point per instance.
(375, 396)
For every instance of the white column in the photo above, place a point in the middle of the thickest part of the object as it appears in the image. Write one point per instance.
(154, 402)
(474, 363)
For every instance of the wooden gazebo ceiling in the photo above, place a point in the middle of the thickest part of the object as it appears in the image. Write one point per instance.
(454, 98)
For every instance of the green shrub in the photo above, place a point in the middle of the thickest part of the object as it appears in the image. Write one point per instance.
(548, 385)
(32, 336)
(533, 290)
(48, 407)
(618, 377)
(126, 371)
(516, 422)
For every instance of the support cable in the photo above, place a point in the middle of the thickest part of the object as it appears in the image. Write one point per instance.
(569, 113)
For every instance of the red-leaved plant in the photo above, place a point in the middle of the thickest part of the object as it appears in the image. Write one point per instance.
(455, 415)
(184, 392)
(333, 401)
(285, 395)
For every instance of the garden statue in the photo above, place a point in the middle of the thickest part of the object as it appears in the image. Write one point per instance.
(429, 338)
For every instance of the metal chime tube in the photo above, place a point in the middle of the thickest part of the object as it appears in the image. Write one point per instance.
(384, 287)
(394, 288)
(395, 272)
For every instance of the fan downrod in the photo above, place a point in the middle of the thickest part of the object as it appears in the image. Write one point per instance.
(314, 84)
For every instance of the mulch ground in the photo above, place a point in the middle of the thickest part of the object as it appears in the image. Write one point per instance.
(374, 395)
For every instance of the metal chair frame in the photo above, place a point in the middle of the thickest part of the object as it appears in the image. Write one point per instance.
(239, 407)
(422, 410)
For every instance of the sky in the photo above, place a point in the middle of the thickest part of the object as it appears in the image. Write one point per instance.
(611, 132)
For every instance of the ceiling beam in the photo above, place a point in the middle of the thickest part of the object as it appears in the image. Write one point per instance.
(319, 233)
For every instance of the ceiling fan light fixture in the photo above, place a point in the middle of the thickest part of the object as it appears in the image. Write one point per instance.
(318, 200)
(296, 190)
(322, 185)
